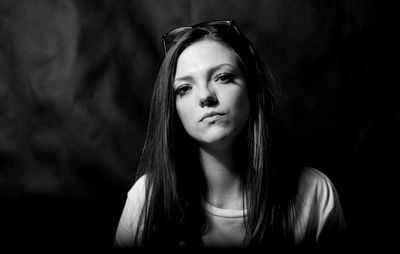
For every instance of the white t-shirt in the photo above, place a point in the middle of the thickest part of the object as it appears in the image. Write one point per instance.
(317, 205)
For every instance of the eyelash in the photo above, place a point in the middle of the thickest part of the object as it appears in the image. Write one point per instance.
(182, 90)
(223, 78)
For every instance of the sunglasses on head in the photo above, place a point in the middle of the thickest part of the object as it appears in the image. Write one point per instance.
(223, 26)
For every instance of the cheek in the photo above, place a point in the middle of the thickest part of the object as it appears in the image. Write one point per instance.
(241, 104)
(185, 114)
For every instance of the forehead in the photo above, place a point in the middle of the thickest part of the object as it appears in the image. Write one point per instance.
(203, 55)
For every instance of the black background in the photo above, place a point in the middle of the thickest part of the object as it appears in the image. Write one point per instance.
(76, 79)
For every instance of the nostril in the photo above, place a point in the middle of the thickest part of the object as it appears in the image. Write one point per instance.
(208, 101)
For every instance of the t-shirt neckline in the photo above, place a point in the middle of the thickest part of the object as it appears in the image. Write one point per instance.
(225, 213)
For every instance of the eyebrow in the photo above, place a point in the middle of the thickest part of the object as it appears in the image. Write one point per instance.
(211, 70)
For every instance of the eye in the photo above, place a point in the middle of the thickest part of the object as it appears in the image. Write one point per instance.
(224, 78)
(182, 90)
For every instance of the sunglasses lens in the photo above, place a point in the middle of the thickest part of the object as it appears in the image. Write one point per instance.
(173, 36)
(224, 25)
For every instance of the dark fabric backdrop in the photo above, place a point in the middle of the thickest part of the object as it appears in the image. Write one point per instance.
(76, 79)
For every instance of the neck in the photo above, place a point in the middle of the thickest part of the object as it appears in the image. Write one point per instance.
(222, 177)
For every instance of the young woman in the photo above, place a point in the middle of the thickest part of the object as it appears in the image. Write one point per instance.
(205, 177)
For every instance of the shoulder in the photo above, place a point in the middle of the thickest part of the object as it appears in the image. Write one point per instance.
(313, 181)
(316, 189)
(317, 203)
(138, 190)
(311, 175)
(130, 218)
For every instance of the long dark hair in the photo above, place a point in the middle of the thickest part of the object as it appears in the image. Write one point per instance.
(175, 183)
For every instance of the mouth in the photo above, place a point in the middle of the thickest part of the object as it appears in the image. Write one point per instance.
(211, 114)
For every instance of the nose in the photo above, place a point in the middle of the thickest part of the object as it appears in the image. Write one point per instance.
(207, 98)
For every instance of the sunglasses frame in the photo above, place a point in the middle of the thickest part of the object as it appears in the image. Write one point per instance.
(169, 37)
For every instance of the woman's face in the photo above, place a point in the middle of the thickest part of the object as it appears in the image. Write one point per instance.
(211, 93)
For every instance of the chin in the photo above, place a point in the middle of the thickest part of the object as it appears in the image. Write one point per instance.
(217, 138)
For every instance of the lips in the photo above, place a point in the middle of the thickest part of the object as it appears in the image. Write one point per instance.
(210, 114)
